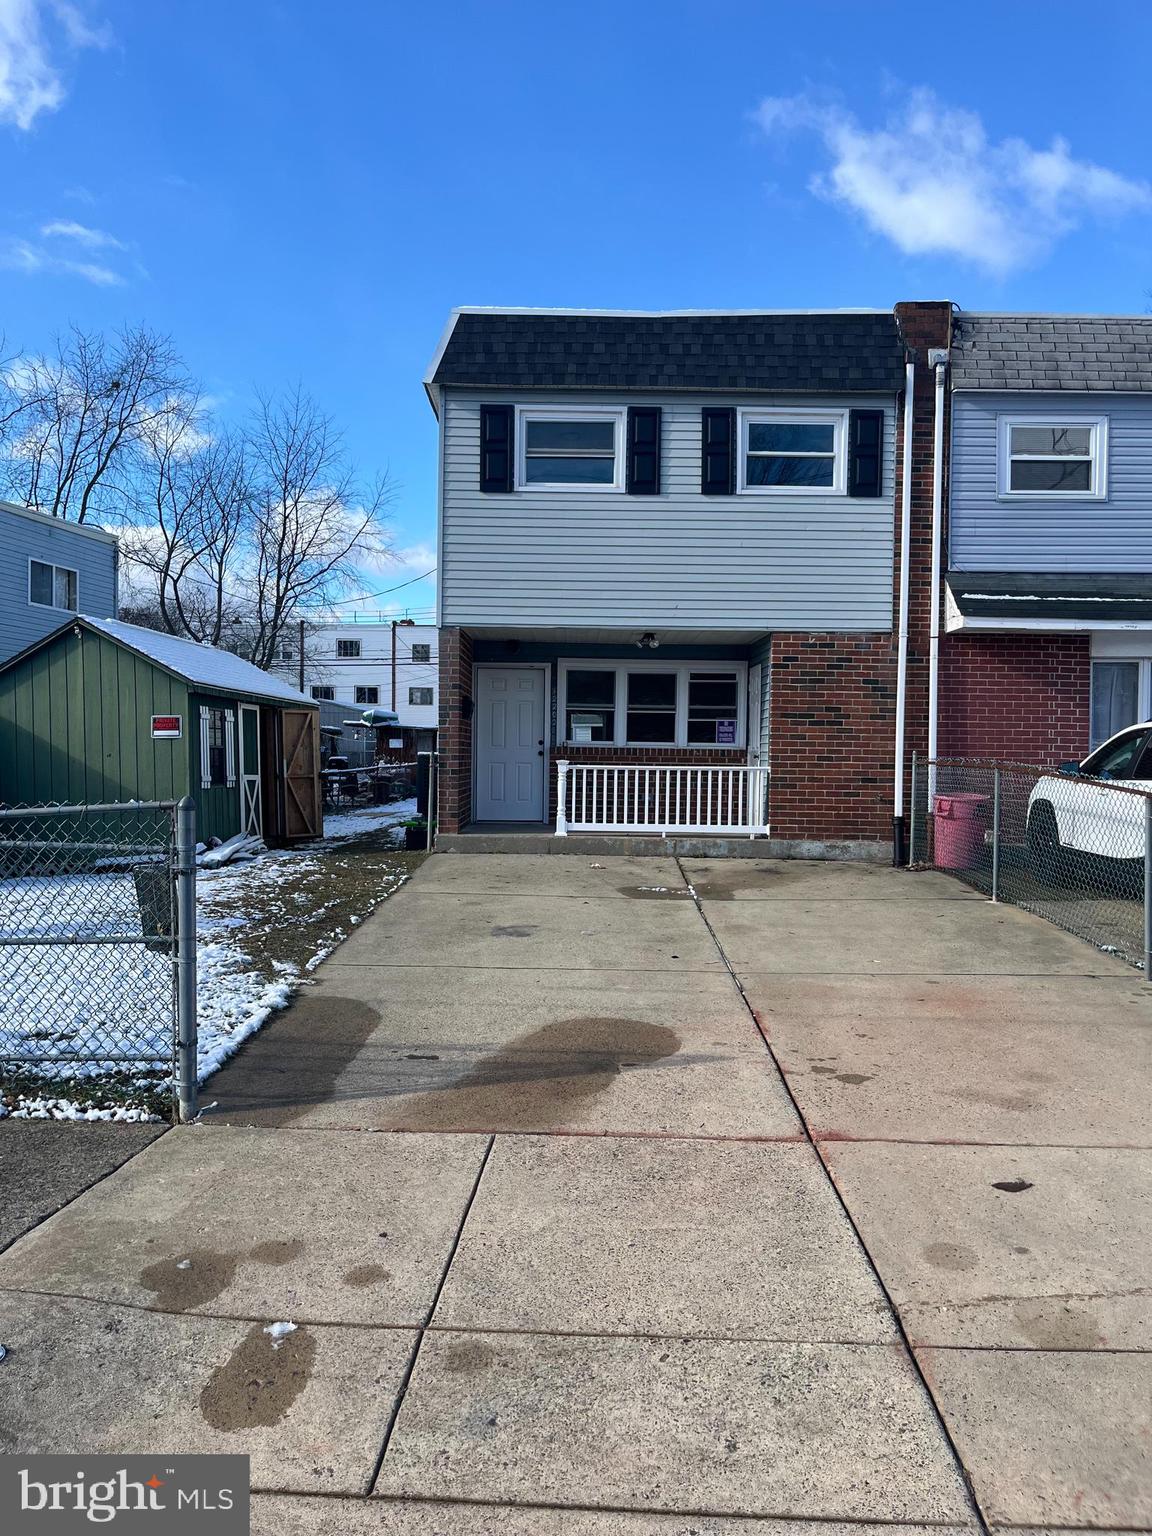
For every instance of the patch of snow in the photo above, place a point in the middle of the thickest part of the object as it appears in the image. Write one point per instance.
(278, 1332)
(184, 1264)
(369, 818)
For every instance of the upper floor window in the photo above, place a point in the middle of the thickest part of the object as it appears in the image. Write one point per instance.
(52, 586)
(349, 648)
(577, 448)
(793, 451)
(367, 695)
(323, 691)
(419, 695)
(1052, 458)
(421, 653)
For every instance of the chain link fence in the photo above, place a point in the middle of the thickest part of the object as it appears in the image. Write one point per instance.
(1072, 849)
(97, 953)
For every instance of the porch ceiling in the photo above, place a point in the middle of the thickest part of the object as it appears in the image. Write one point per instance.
(626, 637)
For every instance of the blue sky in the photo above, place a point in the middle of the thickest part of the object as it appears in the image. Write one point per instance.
(297, 192)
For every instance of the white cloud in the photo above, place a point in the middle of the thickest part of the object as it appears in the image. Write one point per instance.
(30, 80)
(932, 182)
(24, 256)
(93, 239)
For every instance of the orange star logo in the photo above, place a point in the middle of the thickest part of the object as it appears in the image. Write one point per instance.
(154, 1482)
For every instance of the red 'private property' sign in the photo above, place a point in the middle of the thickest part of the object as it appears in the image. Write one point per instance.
(166, 725)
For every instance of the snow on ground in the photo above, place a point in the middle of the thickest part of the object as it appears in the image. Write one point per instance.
(55, 999)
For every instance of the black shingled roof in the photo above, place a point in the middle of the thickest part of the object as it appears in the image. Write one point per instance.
(1086, 598)
(1052, 352)
(850, 353)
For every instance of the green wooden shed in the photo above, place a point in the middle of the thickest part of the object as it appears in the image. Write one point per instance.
(100, 711)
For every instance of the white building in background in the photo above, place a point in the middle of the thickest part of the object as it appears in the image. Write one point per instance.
(370, 662)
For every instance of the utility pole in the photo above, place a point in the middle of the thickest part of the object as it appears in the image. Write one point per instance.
(301, 668)
(393, 666)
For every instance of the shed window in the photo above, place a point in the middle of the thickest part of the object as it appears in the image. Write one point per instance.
(52, 586)
(217, 747)
(582, 449)
(419, 695)
(1052, 458)
(367, 695)
(349, 648)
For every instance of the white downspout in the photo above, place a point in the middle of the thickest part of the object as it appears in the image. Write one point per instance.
(902, 617)
(940, 360)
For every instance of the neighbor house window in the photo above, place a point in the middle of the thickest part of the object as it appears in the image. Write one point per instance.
(790, 451)
(419, 695)
(367, 695)
(421, 653)
(323, 691)
(1052, 458)
(217, 747)
(1120, 696)
(52, 586)
(348, 648)
(674, 704)
(576, 448)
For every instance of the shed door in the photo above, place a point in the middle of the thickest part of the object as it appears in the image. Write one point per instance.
(303, 816)
(251, 821)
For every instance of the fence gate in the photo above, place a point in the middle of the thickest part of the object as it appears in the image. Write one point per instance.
(98, 953)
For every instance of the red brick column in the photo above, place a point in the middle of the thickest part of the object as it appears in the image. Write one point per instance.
(454, 744)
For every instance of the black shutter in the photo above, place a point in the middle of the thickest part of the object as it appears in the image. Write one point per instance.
(718, 451)
(643, 469)
(496, 447)
(865, 453)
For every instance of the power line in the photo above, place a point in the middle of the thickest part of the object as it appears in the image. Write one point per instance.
(366, 596)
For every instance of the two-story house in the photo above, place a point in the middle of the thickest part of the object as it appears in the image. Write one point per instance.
(51, 568)
(670, 568)
(1048, 603)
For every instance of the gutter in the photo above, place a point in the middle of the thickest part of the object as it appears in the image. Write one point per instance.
(899, 832)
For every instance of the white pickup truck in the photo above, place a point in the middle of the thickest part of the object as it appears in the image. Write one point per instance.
(1080, 809)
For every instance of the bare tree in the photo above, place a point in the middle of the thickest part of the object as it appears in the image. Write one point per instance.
(76, 420)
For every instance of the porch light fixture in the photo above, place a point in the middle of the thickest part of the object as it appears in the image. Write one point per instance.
(648, 641)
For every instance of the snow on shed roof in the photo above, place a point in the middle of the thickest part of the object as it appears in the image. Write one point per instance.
(202, 665)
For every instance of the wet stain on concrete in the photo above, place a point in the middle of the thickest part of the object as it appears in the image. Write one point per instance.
(951, 1256)
(515, 930)
(1012, 1186)
(260, 1381)
(853, 1079)
(468, 1356)
(1017, 1102)
(541, 1078)
(190, 1279)
(362, 1275)
(1056, 1326)
(279, 1251)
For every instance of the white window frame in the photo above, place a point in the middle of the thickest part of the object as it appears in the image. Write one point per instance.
(738, 669)
(526, 413)
(1143, 664)
(427, 688)
(354, 653)
(53, 567)
(1098, 447)
(748, 416)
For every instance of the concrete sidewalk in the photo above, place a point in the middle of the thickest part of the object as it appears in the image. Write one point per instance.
(726, 1198)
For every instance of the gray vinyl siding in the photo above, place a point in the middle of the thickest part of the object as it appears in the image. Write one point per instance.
(55, 542)
(990, 533)
(678, 560)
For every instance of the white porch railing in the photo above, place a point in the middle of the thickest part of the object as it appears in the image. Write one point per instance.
(634, 797)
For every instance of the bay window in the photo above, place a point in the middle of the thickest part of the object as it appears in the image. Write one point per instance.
(654, 704)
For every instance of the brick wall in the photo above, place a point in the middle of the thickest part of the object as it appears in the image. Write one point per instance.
(454, 800)
(832, 718)
(1019, 697)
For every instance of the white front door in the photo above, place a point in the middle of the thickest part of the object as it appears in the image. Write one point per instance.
(509, 739)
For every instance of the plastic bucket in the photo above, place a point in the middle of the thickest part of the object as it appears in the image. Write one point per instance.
(958, 825)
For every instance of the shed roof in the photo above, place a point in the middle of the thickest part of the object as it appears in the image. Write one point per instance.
(204, 666)
(1052, 352)
(850, 351)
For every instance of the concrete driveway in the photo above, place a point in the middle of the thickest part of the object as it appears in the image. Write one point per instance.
(720, 1195)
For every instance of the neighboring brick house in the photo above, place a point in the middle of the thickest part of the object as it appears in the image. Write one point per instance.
(673, 541)
(1048, 600)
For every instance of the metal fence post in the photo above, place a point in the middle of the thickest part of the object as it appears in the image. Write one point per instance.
(1148, 888)
(995, 834)
(912, 817)
(186, 958)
